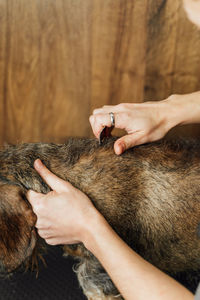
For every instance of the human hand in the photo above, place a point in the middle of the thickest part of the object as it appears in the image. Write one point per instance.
(192, 8)
(144, 122)
(62, 214)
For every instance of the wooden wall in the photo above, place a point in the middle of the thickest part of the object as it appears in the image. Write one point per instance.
(59, 59)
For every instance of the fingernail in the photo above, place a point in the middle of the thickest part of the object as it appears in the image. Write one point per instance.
(37, 163)
(119, 149)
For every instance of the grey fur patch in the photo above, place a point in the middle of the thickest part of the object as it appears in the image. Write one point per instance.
(198, 230)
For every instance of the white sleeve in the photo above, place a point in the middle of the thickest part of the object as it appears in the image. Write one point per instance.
(197, 295)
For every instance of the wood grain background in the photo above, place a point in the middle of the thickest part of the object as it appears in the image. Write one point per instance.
(61, 59)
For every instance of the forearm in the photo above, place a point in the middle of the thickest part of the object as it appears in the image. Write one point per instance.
(134, 277)
(182, 109)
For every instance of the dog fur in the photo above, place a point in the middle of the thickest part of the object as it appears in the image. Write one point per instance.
(150, 195)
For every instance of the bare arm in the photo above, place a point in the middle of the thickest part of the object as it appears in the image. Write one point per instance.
(66, 215)
(72, 217)
(135, 278)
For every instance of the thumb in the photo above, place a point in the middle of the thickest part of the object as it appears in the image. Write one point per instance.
(126, 142)
(53, 181)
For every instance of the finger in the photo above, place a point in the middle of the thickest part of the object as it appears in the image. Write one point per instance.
(33, 197)
(104, 109)
(99, 121)
(112, 108)
(92, 120)
(51, 179)
(60, 240)
(45, 234)
(128, 141)
(42, 223)
(53, 241)
(37, 202)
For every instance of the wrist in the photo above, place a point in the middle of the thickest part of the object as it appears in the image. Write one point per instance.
(183, 109)
(96, 227)
(171, 112)
(166, 113)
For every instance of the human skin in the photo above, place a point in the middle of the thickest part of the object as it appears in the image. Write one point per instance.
(148, 121)
(65, 215)
(192, 8)
(72, 217)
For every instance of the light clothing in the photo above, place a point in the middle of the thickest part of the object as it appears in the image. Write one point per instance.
(197, 295)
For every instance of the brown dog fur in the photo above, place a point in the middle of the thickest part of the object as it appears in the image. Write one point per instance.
(150, 195)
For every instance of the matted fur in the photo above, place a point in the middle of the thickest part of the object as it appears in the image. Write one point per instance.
(150, 195)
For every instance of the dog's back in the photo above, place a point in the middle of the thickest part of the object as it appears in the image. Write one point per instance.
(150, 194)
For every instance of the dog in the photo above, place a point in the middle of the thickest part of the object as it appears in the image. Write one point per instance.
(150, 195)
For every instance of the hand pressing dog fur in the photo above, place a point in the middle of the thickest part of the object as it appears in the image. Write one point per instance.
(150, 195)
